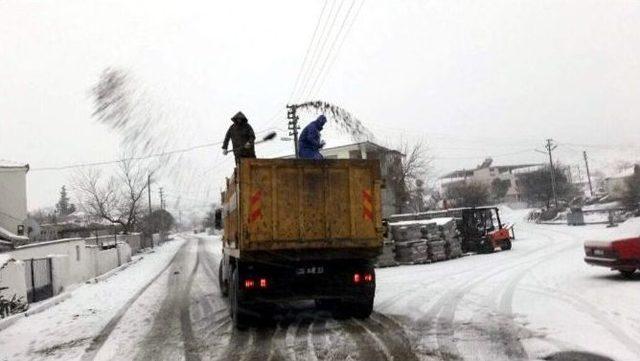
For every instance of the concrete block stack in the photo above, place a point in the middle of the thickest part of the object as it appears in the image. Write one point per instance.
(450, 235)
(410, 248)
(412, 252)
(437, 251)
(388, 256)
(425, 240)
(435, 243)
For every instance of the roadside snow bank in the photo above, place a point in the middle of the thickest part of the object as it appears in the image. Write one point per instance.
(83, 315)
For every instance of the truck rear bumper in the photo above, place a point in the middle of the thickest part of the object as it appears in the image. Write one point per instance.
(349, 280)
(306, 293)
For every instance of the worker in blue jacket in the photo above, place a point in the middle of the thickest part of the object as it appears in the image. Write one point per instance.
(309, 144)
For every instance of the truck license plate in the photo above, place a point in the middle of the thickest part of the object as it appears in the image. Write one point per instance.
(309, 271)
(598, 252)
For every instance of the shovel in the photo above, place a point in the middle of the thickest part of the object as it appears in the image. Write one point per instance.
(266, 138)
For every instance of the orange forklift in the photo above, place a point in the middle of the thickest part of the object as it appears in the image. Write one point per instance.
(481, 229)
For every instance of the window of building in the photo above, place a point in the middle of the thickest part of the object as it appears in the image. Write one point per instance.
(373, 155)
(355, 154)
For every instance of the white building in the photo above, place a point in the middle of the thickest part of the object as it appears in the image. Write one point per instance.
(13, 202)
(617, 184)
(486, 173)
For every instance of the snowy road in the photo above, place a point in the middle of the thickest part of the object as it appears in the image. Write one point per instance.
(537, 301)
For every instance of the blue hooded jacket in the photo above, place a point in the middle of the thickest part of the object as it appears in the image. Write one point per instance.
(309, 144)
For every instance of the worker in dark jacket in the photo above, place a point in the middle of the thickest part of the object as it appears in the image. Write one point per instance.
(242, 138)
(310, 143)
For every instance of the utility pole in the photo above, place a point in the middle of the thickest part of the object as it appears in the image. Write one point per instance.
(161, 215)
(149, 193)
(550, 146)
(586, 163)
(293, 125)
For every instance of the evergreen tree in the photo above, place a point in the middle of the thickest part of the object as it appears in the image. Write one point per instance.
(63, 207)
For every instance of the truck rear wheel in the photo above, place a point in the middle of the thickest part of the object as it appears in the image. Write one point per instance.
(241, 319)
(224, 286)
(362, 309)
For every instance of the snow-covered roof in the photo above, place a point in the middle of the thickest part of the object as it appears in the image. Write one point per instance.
(627, 172)
(516, 168)
(11, 164)
(4, 258)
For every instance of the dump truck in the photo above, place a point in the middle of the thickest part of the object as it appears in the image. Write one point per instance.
(301, 230)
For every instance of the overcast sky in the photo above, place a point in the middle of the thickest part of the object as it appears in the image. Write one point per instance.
(470, 78)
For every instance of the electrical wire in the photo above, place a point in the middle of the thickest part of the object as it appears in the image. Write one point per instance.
(316, 56)
(150, 156)
(306, 55)
(329, 52)
(346, 35)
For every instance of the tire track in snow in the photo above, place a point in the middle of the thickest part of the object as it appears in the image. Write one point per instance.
(369, 347)
(262, 344)
(167, 334)
(506, 300)
(587, 308)
(216, 323)
(277, 342)
(311, 345)
(391, 334)
(98, 341)
(421, 284)
(445, 308)
(188, 339)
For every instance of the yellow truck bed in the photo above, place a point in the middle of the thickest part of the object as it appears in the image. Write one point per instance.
(293, 204)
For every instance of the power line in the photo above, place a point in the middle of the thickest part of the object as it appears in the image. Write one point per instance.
(333, 43)
(346, 34)
(314, 59)
(155, 155)
(306, 55)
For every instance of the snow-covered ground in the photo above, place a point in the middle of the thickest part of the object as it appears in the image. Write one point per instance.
(64, 331)
(537, 300)
(532, 301)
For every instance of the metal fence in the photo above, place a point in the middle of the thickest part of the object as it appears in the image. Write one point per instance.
(39, 279)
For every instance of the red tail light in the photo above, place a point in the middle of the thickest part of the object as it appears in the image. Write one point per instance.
(263, 283)
(357, 278)
(249, 283)
(368, 277)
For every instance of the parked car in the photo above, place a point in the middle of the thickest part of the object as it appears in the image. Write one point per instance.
(622, 255)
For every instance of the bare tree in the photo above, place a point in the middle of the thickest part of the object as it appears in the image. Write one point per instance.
(407, 175)
(117, 199)
(468, 194)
